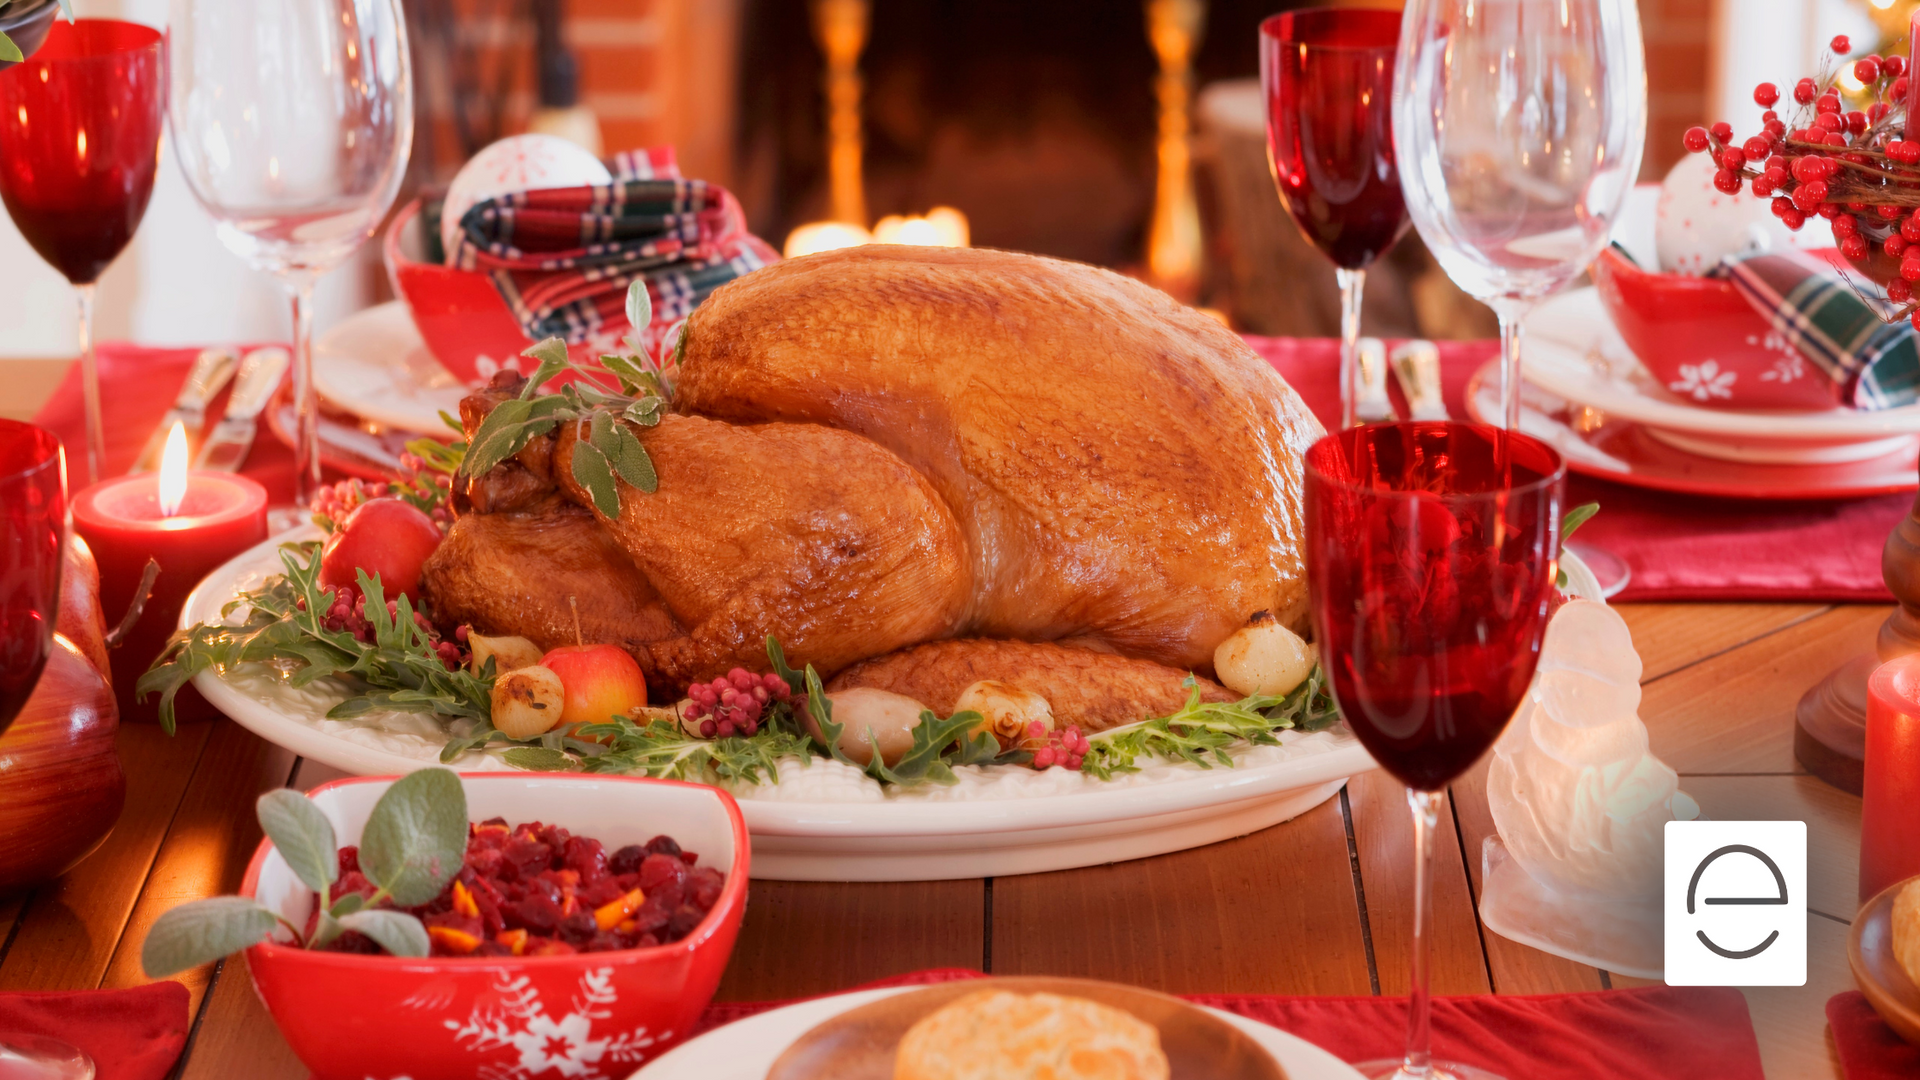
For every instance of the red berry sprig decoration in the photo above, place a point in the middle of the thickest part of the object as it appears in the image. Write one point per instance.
(1855, 168)
(734, 703)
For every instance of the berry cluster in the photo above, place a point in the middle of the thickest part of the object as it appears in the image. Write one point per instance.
(1066, 748)
(1852, 167)
(347, 611)
(416, 482)
(734, 703)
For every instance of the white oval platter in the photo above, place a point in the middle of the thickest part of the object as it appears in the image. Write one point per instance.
(375, 365)
(746, 1049)
(1056, 821)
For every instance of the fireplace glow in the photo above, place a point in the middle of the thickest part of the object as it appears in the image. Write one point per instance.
(943, 226)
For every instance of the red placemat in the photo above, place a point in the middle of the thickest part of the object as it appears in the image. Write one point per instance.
(1869, 1050)
(1685, 1033)
(1680, 547)
(134, 1034)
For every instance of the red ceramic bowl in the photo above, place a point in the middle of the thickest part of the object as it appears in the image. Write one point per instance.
(459, 313)
(1692, 332)
(591, 1014)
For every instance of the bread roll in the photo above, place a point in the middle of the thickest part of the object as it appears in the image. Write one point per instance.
(998, 1035)
(1906, 929)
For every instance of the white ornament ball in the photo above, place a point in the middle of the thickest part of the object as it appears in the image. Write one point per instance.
(1696, 224)
(517, 163)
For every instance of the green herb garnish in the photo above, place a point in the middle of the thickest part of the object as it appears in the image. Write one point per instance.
(1201, 731)
(1574, 518)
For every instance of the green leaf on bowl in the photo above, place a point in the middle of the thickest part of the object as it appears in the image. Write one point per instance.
(303, 836)
(396, 931)
(9, 52)
(416, 839)
(202, 932)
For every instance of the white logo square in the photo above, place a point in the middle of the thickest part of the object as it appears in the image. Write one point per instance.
(1736, 903)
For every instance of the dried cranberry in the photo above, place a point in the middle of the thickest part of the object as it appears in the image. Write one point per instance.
(653, 915)
(536, 912)
(349, 860)
(685, 918)
(602, 890)
(579, 927)
(645, 941)
(705, 886)
(663, 845)
(658, 870)
(354, 942)
(491, 948)
(689, 857)
(585, 856)
(527, 857)
(606, 942)
(627, 859)
(671, 893)
(485, 861)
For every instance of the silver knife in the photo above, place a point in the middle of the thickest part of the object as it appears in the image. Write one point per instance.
(260, 375)
(1374, 406)
(1416, 364)
(210, 372)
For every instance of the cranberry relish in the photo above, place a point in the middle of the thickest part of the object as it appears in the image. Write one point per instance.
(538, 890)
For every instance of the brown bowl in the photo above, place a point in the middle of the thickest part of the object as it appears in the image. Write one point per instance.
(860, 1044)
(1885, 984)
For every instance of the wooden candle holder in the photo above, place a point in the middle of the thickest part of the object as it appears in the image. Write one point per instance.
(1830, 725)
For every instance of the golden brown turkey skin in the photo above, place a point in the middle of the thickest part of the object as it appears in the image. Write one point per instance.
(816, 536)
(1094, 690)
(1121, 466)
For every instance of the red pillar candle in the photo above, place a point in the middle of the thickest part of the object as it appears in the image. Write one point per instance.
(1890, 811)
(219, 516)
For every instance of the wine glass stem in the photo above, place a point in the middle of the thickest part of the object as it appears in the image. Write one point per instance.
(1426, 815)
(1512, 312)
(1352, 283)
(306, 407)
(90, 387)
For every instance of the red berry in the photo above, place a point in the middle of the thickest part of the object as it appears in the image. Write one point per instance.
(1776, 130)
(1828, 121)
(1854, 248)
(1766, 94)
(1722, 131)
(1877, 111)
(1829, 103)
(1857, 207)
(1757, 148)
(1840, 45)
(1845, 225)
(1856, 122)
(1828, 210)
(1782, 206)
(1695, 140)
(1808, 195)
(1793, 219)
(1894, 66)
(1762, 187)
(1804, 91)
(1894, 245)
(1910, 229)
(1899, 291)
(1727, 181)
(1887, 213)
(1915, 320)
(1806, 169)
(1732, 158)
(1868, 70)
(1898, 91)
(1910, 265)
(1836, 138)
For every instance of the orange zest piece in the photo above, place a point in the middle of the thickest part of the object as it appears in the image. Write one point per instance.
(463, 901)
(458, 942)
(614, 912)
(516, 940)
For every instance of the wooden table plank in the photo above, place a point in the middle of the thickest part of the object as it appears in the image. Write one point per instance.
(1833, 827)
(1383, 837)
(801, 938)
(236, 1036)
(70, 928)
(1673, 636)
(1271, 913)
(207, 850)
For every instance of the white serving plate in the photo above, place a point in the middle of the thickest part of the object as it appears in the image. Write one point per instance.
(375, 365)
(890, 840)
(1571, 350)
(746, 1049)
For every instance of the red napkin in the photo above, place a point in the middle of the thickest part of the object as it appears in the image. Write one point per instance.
(1869, 1050)
(1680, 547)
(1685, 1033)
(132, 1034)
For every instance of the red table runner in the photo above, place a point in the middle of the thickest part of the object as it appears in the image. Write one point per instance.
(1649, 1033)
(1681, 547)
(134, 1034)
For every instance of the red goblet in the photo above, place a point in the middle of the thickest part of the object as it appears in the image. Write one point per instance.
(80, 129)
(1431, 559)
(1328, 78)
(33, 523)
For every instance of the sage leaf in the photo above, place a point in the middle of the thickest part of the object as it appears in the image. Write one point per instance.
(203, 931)
(495, 440)
(624, 452)
(416, 838)
(326, 929)
(537, 759)
(639, 306)
(303, 836)
(9, 52)
(396, 931)
(591, 471)
(646, 412)
(66, 8)
(347, 904)
(1575, 518)
(552, 354)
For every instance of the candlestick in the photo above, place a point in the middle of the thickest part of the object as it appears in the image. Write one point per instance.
(218, 515)
(1890, 812)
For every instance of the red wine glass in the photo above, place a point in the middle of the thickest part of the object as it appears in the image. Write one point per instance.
(1327, 74)
(80, 129)
(1431, 559)
(33, 522)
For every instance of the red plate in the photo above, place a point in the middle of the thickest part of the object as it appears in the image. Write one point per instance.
(1626, 453)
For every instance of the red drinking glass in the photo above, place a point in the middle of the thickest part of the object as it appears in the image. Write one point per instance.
(1328, 78)
(80, 129)
(33, 522)
(1889, 835)
(1431, 560)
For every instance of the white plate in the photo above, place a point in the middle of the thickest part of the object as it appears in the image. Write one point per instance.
(375, 365)
(746, 1049)
(929, 836)
(1572, 350)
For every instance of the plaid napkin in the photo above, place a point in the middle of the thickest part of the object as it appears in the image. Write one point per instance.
(1823, 314)
(563, 258)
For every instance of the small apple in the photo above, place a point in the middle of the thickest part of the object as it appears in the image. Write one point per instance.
(602, 681)
(385, 537)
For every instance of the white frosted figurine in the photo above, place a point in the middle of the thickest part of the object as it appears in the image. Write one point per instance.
(1581, 805)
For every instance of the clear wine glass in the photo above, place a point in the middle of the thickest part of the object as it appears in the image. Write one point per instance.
(293, 121)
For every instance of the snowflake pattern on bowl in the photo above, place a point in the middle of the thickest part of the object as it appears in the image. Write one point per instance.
(1704, 381)
(564, 1047)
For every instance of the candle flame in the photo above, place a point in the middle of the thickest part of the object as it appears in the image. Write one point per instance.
(173, 471)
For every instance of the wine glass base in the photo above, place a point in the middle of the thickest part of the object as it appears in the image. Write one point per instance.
(282, 519)
(36, 1057)
(1395, 1069)
(1610, 570)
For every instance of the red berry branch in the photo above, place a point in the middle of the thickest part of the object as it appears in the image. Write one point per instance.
(1856, 169)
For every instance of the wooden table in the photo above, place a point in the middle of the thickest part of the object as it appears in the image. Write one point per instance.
(1317, 905)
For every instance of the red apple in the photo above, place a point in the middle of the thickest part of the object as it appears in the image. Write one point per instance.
(387, 537)
(602, 681)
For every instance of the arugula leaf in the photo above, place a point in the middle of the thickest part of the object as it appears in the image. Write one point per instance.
(661, 749)
(538, 759)
(1200, 732)
(777, 659)
(938, 745)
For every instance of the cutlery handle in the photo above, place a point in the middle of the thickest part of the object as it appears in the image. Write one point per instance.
(211, 371)
(1374, 404)
(260, 375)
(1416, 364)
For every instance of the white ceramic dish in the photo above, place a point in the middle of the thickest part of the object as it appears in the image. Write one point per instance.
(823, 836)
(1571, 350)
(746, 1049)
(375, 365)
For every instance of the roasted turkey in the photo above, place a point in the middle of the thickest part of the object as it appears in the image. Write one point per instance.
(882, 447)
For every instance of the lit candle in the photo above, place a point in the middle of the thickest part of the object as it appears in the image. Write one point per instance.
(1889, 821)
(189, 523)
